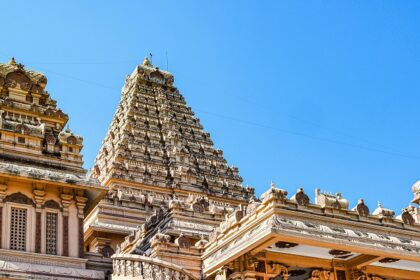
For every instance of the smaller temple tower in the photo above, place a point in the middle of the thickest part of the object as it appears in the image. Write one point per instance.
(44, 191)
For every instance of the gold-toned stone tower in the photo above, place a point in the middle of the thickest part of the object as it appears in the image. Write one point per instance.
(157, 156)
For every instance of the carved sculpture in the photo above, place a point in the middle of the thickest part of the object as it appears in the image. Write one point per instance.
(361, 208)
(300, 197)
(383, 212)
(406, 217)
(183, 241)
(319, 274)
(330, 200)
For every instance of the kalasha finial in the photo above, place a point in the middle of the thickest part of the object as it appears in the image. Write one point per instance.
(146, 61)
(273, 186)
(12, 61)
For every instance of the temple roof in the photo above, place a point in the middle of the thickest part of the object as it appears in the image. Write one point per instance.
(281, 227)
(36, 77)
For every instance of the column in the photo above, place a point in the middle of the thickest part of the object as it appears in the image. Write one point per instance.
(81, 203)
(39, 199)
(3, 189)
(66, 201)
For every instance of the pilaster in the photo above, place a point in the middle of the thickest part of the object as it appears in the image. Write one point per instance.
(80, 203)
(39, 195)
(66, 200)
(3, 189)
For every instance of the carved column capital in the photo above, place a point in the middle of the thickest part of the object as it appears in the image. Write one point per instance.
(81, 203)
(39, 195)
(66, 200)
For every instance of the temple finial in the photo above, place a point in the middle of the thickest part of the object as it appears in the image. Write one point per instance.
(146, 61)
(12, 61)
(273, 186)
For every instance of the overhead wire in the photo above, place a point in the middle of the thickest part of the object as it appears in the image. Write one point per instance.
(273, 128)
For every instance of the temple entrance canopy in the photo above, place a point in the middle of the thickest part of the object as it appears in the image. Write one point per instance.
(280, 238)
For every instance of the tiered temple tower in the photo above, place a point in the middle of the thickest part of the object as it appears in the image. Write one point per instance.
(44, 191)
(155, 152)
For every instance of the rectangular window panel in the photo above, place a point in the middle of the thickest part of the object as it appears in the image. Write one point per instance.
(51, 234)
(18, 219)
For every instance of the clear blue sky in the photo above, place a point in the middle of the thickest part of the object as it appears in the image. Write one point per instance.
(304, 93)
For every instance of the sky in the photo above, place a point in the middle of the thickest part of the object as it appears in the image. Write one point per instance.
(312, 94)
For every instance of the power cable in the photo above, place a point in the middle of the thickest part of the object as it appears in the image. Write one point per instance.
(286, 131)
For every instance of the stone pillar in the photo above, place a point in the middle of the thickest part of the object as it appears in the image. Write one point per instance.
(81, 203)
(66, 201)
(3, 189)
(39, 199)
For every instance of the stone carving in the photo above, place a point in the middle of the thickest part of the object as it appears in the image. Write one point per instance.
(19, 198)
(18, 80)
(222, 274)
(200, 205)
(107, 251)
(277, 269)
(300, 197)
(160, 238)
(155, 218)
(274, 193)
(22, 129)
(381, 212)
(183, 242)
(200, 244)
(330, 200)
(361, 208)
(406, 217)
(318, 274)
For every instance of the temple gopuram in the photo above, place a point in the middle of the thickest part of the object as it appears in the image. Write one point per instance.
(161, 203)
